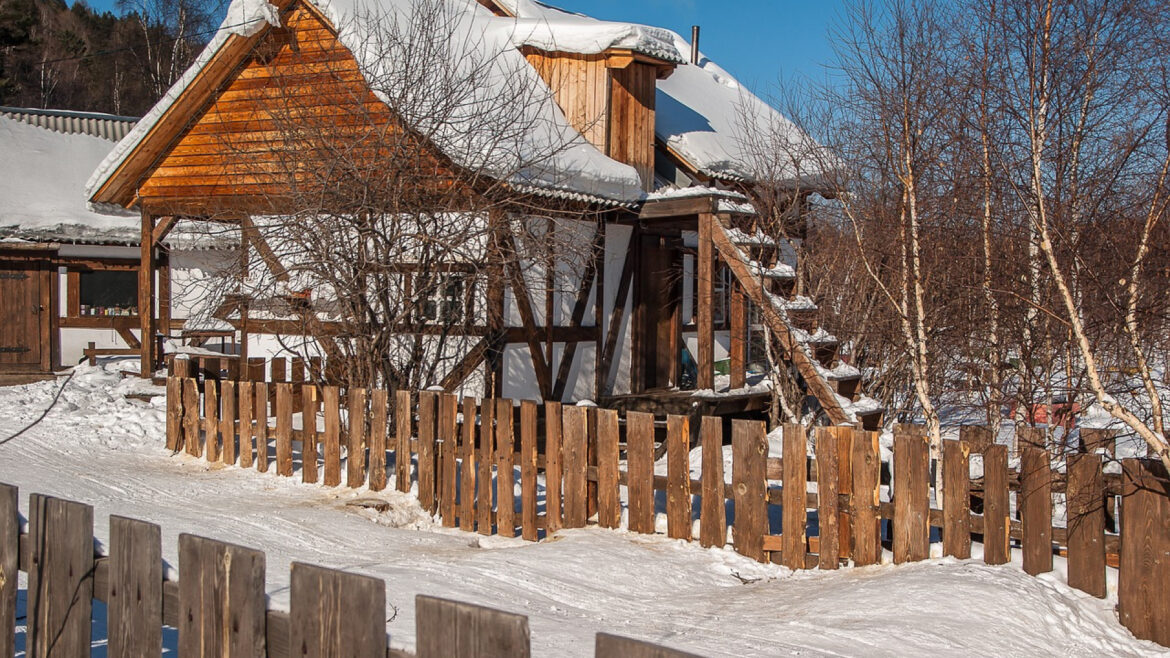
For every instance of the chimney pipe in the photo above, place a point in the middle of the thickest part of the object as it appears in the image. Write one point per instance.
(694, 44)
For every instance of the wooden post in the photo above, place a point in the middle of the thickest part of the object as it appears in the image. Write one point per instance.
(191, 417)
(309, 473)
(956, 499)
(505, 470)
(847, 484)
(9, 565)
(211, 420)
(911, 495)
(331, 400)
(640, 467)
(403, 430)
(448, 428)
(284, 465)
(739, 336)
(1085, 498)
(829, 540)
(484, 461)
(996, 506)
(1095, 440)
(1144, 576)
(794, 514)
(355, 439)
(977, 438)
(245, 407)
(1035, 502)
(222, 609)
(448, 629)
(146, 269)
(609, 506)
(227, 421)
(553, 467)
(333, 613)
(260, 402)
(678, 477)
(174, 413)
(467, 466)
(866, 470)
(135, 596)
(60, 580)
(749, 443)
(713, 514)
(704, 316)
(428, 401)
(528, 421)
(575, 439)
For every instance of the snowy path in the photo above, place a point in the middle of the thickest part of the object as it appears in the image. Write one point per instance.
(97, 448)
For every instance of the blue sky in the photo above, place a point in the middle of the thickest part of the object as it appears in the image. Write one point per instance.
(759, 41)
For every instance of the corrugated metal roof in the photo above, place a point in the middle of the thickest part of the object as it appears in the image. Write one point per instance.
(96, 124)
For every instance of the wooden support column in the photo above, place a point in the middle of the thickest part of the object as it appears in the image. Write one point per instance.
(146, 294)
(164, 295)
(704, 317)
(739, 336)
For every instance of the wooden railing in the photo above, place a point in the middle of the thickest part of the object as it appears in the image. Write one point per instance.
(218, 603)
(462, 457)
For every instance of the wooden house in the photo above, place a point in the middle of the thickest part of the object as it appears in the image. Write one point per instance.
(679, 276)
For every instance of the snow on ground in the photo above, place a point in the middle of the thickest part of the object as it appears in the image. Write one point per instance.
(99, 448)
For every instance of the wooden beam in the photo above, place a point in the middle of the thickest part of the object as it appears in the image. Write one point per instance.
(524, 305)
(252, 236)
(466, 365)
(615, 318)
(678, 207)
(146, 295)
(587, 285)
(739, 336)
(163, 228)
(129, 338)
(705, 318)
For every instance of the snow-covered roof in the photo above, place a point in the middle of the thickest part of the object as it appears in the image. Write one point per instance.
(556, 30)
(42, 188)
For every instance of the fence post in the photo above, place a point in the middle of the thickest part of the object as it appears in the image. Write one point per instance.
(911, 495)
(222, 608)
(449, 629)
(1085, 499)
(749, 443)
(505, 470)
(1035, 504)
(227, 421)
(1144, 576)
(284, 403)
(9, 565)
(60, 577)
(174, 414)
(996, 506)
(355, 438)
(427, 403)
(191, 417)
(246, 405)
(309, 472)
(553, 467)
(260, 403)
(956, 499)
(467, 468)
(576, 423)
(609, 506)
(403, 430)
(333, 613)
(977, 437)
(448, 436)
(713, 514)
(331, 400)
(135, 598)
(829, 540)
(794, 515)
(484, 460)
(640, 467)
(211, 419)
(528, 421)
(379, 399)
(678, 477)
(864, 500)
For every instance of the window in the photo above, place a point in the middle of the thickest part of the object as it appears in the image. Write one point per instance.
(721, 298)
(442, 298)
(107, 293)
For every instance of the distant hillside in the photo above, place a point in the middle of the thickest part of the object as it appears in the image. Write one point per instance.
(56, 56)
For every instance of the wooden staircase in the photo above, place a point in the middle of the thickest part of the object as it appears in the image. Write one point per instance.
(770, 285)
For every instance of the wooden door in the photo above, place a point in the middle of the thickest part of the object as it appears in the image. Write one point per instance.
(661, 281)
(23, 342)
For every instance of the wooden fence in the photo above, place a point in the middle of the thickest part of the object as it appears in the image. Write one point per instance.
(218, 604)
(463, 456)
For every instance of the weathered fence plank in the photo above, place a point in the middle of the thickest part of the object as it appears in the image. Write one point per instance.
(467, 467)
(284, 411)
(191, 418)
(379, 419)
(609, 505)
(612, 646)
(713, 511)
(794, 517)
(865, 503)
(575, 437)
(135, 598)
(678, 477)
(174, 418)
(260, 400)
(1035, 501)
(845, 487)
(996, 506)
(749, 443)
(528, 421)
(640, 467)
(227, 421)
(956, 499)
(403, 431)
(221, 599)
(355, 438)
(244, 403)
(211, 420)
(60, 577)
(553, 467)
(9, 564)
(485, 461)
(449, 629)
(977, 437)
(309, 472)
(1144, 577)
(505, 470)
(448, 428)
(428, 402)
(331, 401)
(333, 613)
(829, 541)
(911, 495)
(1085, 499)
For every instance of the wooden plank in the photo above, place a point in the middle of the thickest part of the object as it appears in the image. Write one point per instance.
(146, 293)
(221, 599)
(1144, 576)
(865, 503)
(449, 438)
(211, 420)
(612, 646)
(678, 479)
(331, 401)
(609, 505)
(428, 401)
(911, 495)
(505, 470)
(448, 629)
(996, 506)
(284, 465)
(355, 438)
(333, 613)
(245, 406)
(60, 589)
(704, 316)
(1096, 440)
(278, 370)
(135, 598)
(528, 469)
(977, 437)
(467, 466)
(591, 463)
(260, 404)
(713, 512)
(640, 464)
(829, 538)
(403, 431)
(794, 515)
(956, 499)
(174, 413)
(379, 408)
(1035, 503)
(9, 565)
(1085, 498)
(845, 486)
(574, 450)
(749, 445)
(739, 336)
(484, 460)
(553, 467)
(309, 472)
(227, 421)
